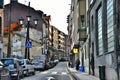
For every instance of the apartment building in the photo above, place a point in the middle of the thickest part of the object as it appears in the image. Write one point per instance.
(77, 27)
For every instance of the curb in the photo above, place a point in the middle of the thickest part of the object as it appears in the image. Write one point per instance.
(73, 74)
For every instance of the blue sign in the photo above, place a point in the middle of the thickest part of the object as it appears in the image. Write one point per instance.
(28, 44)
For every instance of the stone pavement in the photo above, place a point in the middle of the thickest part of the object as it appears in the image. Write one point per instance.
(81, 75)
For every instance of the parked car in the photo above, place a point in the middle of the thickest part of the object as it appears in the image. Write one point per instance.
(51, 64)
(15, 69)
(4, 72)
(28, 67)
(38, 65)
(56, 61)
(64, 59)
(43, 61)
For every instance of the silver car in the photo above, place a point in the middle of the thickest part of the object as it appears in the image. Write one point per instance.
(38, 65)
(28, 67)
(16, 70)
(4, 72)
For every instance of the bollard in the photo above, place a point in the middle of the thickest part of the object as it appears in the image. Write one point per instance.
(102, 72)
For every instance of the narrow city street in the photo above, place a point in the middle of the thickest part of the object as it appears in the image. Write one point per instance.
(60, 39)
(59, 72)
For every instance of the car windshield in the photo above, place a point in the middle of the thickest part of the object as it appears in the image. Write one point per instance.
(21, 61)
(42, 57)
(7, 61)
(36, 63)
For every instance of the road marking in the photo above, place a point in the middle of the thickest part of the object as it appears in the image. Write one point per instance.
(54, 73)
(64, 73)
(69, 74)
(49, 78)
(45, 72)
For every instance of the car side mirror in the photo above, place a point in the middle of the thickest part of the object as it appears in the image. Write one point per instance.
(1, 64)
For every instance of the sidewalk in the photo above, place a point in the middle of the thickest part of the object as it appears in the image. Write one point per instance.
(81, 75)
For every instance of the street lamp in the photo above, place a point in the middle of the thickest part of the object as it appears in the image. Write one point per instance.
(35, 22)
(21, 20)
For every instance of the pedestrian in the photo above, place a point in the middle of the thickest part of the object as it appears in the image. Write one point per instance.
(92, 64)
(77, 64)
(69, 64)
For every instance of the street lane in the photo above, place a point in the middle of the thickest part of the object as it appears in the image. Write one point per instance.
(59, 72)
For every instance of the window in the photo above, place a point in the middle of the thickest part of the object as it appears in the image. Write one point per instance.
(92, 23)
(99, 31)
(1, 3)
(110, 31)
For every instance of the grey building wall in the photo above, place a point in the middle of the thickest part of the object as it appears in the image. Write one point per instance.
(107, 59)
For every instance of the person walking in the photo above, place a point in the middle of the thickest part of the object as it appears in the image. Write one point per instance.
(77, 64)
(69, 64)
(92, 64)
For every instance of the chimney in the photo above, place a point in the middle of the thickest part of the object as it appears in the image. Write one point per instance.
(13, 1)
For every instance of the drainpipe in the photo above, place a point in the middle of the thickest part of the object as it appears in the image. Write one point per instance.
(116, 28)
(89, 35)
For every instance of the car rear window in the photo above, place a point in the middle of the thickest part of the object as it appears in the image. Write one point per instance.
(7, 61)
(42, 57)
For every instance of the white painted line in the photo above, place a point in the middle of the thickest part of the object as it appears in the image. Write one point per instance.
(49, 78)
(45, 72)
(54, 73)
(64, 73)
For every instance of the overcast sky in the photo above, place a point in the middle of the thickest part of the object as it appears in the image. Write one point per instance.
(58, 9)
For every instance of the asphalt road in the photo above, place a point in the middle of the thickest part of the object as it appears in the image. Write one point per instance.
(59, 72)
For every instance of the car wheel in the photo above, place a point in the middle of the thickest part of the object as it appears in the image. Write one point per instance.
(18, 77)
(33, 73)
(26, 73)
(22, 76)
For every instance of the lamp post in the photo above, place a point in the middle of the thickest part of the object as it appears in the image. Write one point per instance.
(21, 20)
(9, 35)
(27, 51)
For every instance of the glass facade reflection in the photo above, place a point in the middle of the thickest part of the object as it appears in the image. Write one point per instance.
(110, 30)
(99, 26)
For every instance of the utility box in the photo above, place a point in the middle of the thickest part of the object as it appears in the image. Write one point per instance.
(102, 72)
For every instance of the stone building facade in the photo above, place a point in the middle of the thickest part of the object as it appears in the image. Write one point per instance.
(102, 45)
(12, 13)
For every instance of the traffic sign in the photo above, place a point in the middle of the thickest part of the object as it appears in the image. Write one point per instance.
(28, 44)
